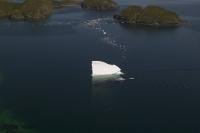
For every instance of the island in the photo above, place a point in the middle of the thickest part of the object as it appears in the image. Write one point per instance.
(31, 10)
(99, 5)
(148, 16)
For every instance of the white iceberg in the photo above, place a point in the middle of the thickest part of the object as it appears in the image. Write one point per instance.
(100, 68)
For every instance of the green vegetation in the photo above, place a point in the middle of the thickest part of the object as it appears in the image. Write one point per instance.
(132, 13)
(7, 8)
(100, 5)
(150, 16)
(10, 125)
(37, 10)
(31, 10)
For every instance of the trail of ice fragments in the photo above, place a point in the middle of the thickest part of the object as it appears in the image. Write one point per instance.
(109, 38)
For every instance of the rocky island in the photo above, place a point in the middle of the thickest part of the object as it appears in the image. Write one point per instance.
(31, 10)
(99, 5)
(148, 16)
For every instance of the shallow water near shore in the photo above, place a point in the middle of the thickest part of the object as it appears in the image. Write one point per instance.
(45, 72)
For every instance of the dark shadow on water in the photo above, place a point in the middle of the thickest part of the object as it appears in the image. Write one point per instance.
(147, 28)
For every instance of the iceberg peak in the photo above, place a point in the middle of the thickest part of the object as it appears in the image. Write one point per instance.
(100, 68)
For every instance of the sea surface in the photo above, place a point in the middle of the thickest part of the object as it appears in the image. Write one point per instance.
(45, 72)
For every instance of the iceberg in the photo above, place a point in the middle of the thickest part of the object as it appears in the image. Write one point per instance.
(100, 68)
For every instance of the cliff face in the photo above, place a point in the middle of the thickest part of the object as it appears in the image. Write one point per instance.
(150, 16)
(100, 5)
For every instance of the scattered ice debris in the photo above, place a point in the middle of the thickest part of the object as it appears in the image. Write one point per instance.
(104, 32)
(114, 43)
(109, 38)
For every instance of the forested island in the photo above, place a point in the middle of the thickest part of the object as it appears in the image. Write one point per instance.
(31, 10)
(148, 16)
(37, 10)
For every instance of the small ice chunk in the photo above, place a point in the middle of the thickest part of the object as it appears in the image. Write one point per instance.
(100, 68)
(131, 78)
(120, 79)
(104, 32)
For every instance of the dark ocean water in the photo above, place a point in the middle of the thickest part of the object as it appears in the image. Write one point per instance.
(45, 72)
